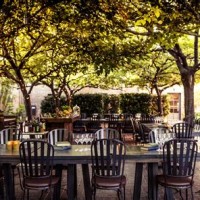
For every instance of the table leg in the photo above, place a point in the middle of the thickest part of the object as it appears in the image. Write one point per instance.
(58, 173)
(71, 182)
(152, 172)
(86, 180)
(138, 181)
(9, 182)
(1, 183)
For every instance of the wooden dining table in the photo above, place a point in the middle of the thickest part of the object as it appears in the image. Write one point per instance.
(80, 154)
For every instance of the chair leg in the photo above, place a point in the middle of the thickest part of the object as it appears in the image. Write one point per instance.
(186, 194)
(27, 191)
(156, 191)
(93, 192)
(124, 193)
(119, 194)
(41, 195)
(180, 192)
(191, 189)
(165, 194)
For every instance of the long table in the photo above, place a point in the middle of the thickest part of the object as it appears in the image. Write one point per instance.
(80, 154)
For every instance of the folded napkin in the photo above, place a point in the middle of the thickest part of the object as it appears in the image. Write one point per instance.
(63, 144)
(61, 148)
(150, 147)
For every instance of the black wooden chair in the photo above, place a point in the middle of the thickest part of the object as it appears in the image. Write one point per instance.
(142, 132)
(128, 131)
(108, 159)
(179, 159)
(36, 167)
(182, 130)
(127, 127)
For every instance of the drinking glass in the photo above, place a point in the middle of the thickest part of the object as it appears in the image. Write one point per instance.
(77, 138)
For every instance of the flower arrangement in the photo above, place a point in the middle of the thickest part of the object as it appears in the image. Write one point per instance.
(65, 111)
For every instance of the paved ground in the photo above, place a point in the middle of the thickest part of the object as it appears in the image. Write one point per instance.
(111, 195)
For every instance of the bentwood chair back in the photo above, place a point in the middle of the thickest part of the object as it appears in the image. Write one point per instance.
(107, 133)
(179, 159)
(159, 134)
(9, 134)
(57, 135)
(5, 136)
(108, 159)
(182, 130)
(36, 162)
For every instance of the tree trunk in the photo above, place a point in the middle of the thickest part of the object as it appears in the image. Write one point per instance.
(187, 77)
(27, 102)
(159, 104)
(69, 96)
(70, 101)
(188, 84)
(57, 101)
(159, 101)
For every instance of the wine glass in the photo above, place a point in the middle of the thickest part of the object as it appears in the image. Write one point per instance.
(160, 141)
(77, 138)
(82, 139)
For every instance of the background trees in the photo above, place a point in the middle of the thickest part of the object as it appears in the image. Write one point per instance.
(41, 42)
(25, 39)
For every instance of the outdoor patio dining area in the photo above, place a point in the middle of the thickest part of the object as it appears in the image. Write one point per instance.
(99, 100)
(129, 167)
(141, 165)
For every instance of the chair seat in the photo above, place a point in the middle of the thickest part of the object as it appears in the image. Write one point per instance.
(109, 181)
(181, 182)
(41, 182)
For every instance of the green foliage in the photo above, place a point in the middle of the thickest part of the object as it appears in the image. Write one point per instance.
(105, 103)
(48, 104)
(135, 103)
(165, 104)
(6, 99)
(110, 103)
(20, 112)
(89, 103)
